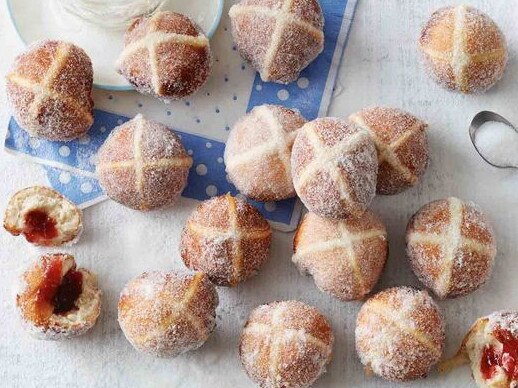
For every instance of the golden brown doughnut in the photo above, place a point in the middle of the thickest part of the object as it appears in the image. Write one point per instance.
(258, 151)
(491, 347)
(286, 344)
(166, 314)
(334, 166)
(49, 88)
(401, 143)
(165, 55)
(345, 257)
(279, 38)
(451, 247)
(464, 49)
(143, 165)
(227, 238)
(400, 334)
(57, 300)
(43, 216)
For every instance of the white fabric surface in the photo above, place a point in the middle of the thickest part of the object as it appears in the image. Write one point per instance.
(381, 66)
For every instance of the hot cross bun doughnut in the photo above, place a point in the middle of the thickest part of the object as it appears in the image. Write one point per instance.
(451, 247)
(334, 166)
(400, 334)
(227, 238)
(258, 151)
(401, 143)
(143, 165)
(344, 257)
(43, 216)
(49, 88)
(286, 344)
(165, 55)
(278, 37)
(491, 347)
(464, 49)
(56, 299)
(166, 314)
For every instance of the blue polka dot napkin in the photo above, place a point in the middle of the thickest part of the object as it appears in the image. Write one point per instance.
(70, 166)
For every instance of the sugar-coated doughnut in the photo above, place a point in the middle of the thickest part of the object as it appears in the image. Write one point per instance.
(227, 238)
(451, 247)
(401, 143)
(344, 257)
(491, 347)
(166, 314)
(43, 216)
(165, 55)
(143, 165)
(57, 300)
(400, 334)
(49, 89)
(279, 38)
(258, 151)
(334, 166)
(286, 344)
(464, 49)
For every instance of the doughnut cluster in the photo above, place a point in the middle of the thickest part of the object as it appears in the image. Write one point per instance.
(335, 166)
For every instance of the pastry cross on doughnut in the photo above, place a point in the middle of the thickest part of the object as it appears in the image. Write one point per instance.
(165, 55)
(279, 38)
(49, 89)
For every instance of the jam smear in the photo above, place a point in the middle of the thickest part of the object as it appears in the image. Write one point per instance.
(507, 358)
(68, 292)
(59, 295)
(39, 227)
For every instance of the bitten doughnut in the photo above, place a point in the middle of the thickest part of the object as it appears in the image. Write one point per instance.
(401, 143)
(279, 38)
(49, 89)
(166, 314)
(286, 344)
(56, 299)
(227, 238)
(346, 257)
(491, 347)
(258, 151)
(143, 165)
(451, 247)
(43, 216)
(400, 334)
(334, 166)
(464, 49)
(165, 55)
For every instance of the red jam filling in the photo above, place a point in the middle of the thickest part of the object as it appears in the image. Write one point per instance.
(507, 358)
(60, 293)
(39, 227)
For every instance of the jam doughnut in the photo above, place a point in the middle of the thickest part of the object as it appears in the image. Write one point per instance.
(400, 334)
(43, 216)
(258, 151)
(401, 143)
(57, 300)
(491, 347)
(451, 247)
(227, 238)
(143, 165)
(166, 314)
(334, 166)
(464, 49)
(165, 55)
(49, 89)
(286, 344)
(279, 38)
(346, 257)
